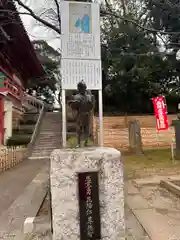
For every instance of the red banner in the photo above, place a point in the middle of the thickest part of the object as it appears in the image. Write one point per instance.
(160, 111)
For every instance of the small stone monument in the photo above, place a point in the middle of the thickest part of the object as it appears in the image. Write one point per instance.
(87, 190)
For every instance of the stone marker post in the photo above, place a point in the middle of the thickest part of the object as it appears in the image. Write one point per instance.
(135, 142)
(87, 194)
(176, 124)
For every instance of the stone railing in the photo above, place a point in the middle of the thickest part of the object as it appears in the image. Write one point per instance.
(32, 103)
(9, 157)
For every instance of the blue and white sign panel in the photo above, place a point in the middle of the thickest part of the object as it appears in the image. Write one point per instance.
(80, 43)
(80, 27)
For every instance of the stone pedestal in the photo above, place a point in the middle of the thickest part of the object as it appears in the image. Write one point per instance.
(65, 166)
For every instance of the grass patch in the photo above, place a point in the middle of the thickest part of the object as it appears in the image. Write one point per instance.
(151, 162)
(72, 142)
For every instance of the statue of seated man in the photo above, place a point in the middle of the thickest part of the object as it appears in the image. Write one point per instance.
(83, 103)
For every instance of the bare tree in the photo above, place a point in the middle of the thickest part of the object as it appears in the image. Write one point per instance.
(49, 16)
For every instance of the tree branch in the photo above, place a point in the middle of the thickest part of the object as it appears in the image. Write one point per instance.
(152, 30)
(44, 22)
(58, 12)
(110, 12)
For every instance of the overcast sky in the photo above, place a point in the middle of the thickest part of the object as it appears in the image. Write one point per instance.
(35, 31)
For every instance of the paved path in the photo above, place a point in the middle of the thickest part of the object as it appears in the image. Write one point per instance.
(156, 209)
(14, 181)
(134, 230)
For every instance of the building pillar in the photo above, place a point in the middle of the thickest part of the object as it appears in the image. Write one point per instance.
(1, 119)
(7, 119)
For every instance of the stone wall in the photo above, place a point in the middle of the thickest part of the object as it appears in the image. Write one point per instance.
(116, 132)
(122, 121)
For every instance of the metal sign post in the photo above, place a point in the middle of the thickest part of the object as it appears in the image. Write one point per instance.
(64, 130)
(100, 99)
(81, 53)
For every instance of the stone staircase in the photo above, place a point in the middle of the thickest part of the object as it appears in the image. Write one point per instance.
(48, 137)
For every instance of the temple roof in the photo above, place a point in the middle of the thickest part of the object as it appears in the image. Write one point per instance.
(15, 44)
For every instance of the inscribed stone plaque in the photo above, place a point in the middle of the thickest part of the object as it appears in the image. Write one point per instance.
(89, 208)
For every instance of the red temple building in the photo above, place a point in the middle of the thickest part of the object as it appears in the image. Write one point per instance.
(18, 65)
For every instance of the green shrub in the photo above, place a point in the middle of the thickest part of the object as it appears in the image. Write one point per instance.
(22, 131)
(17, 140)
(72, 142)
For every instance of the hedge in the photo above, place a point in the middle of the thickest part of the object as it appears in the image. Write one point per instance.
(18, 140)
(23, 131)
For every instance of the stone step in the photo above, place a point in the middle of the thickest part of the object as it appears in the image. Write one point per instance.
(45, 155)
(50, 133)
(50, 128)
(46, 148)
(47, 143)
(44, 139)
(47, 124)
(45, 135)
(55, 121)
(48, 140)
(42, 151)
(39, 157)
(52, 117)
(47, 120)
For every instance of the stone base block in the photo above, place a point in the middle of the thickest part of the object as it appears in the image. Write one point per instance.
(65, 166)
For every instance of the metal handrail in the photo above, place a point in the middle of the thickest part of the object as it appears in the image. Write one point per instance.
(35, 132)
(37, 124)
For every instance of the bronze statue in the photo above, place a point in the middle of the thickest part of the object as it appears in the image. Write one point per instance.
(83, 103)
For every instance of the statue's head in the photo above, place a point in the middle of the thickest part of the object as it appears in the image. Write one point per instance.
(81, 87)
